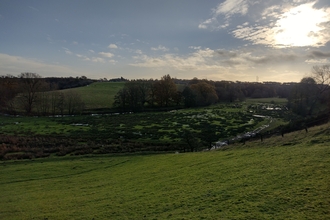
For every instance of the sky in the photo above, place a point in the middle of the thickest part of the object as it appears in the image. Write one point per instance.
(236, 40)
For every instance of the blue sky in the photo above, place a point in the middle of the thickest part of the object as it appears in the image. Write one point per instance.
(244, 40)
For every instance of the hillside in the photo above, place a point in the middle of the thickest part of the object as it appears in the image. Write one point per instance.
(98, 95)
(279, 178)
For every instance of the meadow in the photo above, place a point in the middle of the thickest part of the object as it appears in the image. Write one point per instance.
(279, 178)
(119, 133)
(98, 95)
(131, 166)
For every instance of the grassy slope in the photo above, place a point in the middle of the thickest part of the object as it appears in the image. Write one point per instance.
(99, 95)
(280, 178)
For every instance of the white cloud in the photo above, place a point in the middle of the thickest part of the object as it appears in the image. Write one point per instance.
(213, 24)
(198, 60)
(67, 51)
(97, 60)
(230, 7)
(298, 26)
(240, 64)
(257, 35)
(108, 55)
(160, 47)
(273, 12)
(317, 61)
(83, 57)
(75, 43)
(92, 51)
(112, 46)
(15, 65)
(208, 23)
(112, 61)
(286, 23)
(195, 48)
(227, 9)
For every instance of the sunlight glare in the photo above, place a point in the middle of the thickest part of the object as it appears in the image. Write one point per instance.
(300, 27)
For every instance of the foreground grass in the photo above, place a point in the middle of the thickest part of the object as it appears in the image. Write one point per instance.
(280, 178)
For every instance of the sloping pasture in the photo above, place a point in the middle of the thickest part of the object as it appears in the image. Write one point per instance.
(98, 95)
(281, 178)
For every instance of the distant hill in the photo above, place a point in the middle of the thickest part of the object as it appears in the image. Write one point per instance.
(68, 82)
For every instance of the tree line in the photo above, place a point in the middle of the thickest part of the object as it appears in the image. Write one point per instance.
(310, 96)
(32, 93)
(137, 95)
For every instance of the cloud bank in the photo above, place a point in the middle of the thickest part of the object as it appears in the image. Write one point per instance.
(14, 65)
(283, 24)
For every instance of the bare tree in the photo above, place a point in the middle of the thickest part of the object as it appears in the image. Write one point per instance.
(31, 84)
(304, 97)
(133, 96)
(59, 102)
(8, 91)
(73, 103)
(55, 101)
(311, 92)
(43, 103)
(321, 75)
(121, 99)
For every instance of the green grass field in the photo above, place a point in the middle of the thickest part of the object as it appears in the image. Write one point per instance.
(99, 94)
(280, 178)
(228, 120)
(267, 100)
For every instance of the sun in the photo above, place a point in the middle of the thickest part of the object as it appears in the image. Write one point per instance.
(300, 27)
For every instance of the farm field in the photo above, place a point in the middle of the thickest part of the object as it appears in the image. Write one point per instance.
(280, 178)
(98, 95)
(152, 131)
(235, 115)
